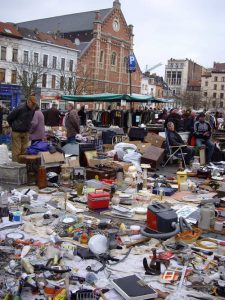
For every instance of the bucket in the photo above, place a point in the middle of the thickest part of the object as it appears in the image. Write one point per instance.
(17, 216)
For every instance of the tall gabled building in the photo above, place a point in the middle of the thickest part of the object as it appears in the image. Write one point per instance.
(105, 40)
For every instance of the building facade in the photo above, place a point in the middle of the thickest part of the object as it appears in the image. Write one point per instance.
(29, 57)
(181, 75)
(213, 86)
(105, 41)
(154, 85)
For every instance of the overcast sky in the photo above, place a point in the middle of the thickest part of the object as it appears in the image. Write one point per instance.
(163, 29)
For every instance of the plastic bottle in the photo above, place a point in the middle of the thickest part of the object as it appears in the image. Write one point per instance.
(205, 217)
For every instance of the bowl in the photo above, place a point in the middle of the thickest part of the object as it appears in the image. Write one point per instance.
(98, 244)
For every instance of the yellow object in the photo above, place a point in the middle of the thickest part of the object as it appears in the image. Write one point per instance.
(181, 177)
(60, 295)
(123, 227)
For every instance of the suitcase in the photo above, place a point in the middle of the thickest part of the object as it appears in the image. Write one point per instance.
(153, 155)
(102, 172)
(98, 199)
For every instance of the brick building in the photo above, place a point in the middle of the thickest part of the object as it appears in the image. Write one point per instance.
(105, 41)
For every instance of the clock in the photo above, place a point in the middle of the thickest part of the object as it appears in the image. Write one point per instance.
(116, 25)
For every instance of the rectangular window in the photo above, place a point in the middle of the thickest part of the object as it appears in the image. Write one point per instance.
(3, 53)
(53, 81)
(221, 95)
(206, 83)
(215, 87)
(44, 80)
(223, 79)
(54, 62)
(36, 59)
(71, 66)
(70, 83)
(215, 78)
(45, 60)
(214, 95)
(222, 87)
(25, 57)
(15, 55)
(61, 83)
(221, 104)
(205, 94)
(25, 76)
(62, 64)
(35, 79)
(2, 75)
(13, 76)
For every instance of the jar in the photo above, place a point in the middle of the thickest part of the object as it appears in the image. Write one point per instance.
(42, 178)
(205, 217)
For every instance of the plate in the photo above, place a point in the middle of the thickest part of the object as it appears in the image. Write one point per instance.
(217, 178)
(123, 195)
(192, 198)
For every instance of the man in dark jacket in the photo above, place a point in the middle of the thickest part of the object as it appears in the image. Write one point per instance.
(176, 140)
(203, 132)
(20, 121)
(72, 123)
(175, 118)
(52, 116)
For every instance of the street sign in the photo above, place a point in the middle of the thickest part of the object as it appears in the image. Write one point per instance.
(132, 63)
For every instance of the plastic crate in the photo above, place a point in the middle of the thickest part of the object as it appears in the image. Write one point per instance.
(13, 173)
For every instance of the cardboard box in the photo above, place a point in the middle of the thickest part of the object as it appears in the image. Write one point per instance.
(96, 161)
(73, 161)
(154, 139)
(153, 156)
(52, 160)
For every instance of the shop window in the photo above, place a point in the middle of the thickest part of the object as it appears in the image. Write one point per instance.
(2, 75)
(13, 76)
(3, 53)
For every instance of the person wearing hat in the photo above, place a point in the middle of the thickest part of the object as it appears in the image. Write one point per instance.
(20, 121)
(202, 132)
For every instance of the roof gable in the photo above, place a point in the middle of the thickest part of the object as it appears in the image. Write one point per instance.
(8, 29)
(67, 23)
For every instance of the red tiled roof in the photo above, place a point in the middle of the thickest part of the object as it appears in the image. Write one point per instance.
(9, 30)
(45, 37)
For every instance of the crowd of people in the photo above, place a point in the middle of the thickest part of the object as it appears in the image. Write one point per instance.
(28, 123)
(201, 126)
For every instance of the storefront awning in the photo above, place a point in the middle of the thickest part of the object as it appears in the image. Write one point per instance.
(107, 97)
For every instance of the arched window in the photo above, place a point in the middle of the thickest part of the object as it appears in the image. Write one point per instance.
(125, 64)
(101, 58)
(113, 59)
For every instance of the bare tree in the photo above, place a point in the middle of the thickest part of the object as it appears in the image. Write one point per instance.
(78, 82)
(29, 75)
(191, 99)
